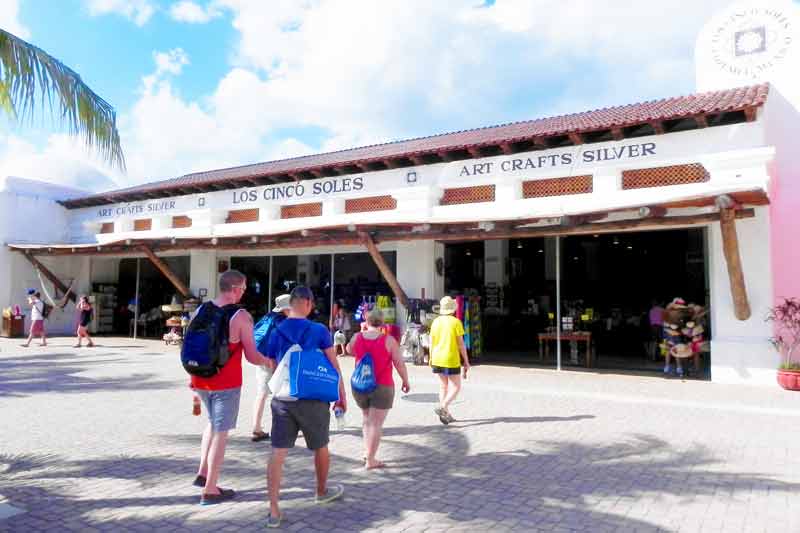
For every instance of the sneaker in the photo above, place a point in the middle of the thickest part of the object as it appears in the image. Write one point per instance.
(274, 521)
(334, 492)
(211, 499)
(442, 414)
(679, 372)
(667, 370)
(450, 418)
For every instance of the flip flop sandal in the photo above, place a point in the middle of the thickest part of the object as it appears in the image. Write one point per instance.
(442, 414)
(377, 466)
(199, 481)
(211, 499)
(258, 437)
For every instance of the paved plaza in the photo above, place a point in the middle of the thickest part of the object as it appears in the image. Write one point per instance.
(103, 440)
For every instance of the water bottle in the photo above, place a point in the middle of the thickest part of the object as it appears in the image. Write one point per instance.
(196, 406)
(338, 412)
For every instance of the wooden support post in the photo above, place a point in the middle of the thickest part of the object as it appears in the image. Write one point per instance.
(386, 272)
(168, 273)
(730, 247)
(50, 276)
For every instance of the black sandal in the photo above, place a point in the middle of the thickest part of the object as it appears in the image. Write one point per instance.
(259, 436)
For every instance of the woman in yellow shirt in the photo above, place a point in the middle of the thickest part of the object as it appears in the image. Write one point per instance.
(448, 354)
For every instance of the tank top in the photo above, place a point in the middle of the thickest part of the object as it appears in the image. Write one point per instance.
(229, 376)
(381, 357)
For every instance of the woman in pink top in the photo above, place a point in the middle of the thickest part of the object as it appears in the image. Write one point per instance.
(375, 406)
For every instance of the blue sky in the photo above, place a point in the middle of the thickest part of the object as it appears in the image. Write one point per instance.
(214, 83)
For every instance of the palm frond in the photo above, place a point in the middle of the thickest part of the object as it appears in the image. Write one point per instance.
(29, 77)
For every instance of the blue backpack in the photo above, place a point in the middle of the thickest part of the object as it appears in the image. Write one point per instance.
(264, 328)
(205, 347)
(363, 378)
(311, 374)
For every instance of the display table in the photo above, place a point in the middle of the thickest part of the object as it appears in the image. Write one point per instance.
(571, 336)
(13, 326)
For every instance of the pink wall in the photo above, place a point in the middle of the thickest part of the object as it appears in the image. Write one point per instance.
(782, 130)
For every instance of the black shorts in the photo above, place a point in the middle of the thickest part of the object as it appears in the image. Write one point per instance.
(446, 370)
(313, 417)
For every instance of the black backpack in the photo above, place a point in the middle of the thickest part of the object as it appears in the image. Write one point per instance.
(205, 345)
(46, 309)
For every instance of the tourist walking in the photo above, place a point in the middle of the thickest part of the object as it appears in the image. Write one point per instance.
(312, 417)
(84, 319)
(385, 353)
(448, 356)
(263, 330)
(37, 318)
(220, 393)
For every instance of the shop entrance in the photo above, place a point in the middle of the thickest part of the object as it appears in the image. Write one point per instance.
(338, 281)
(610, 285)
(155, 290)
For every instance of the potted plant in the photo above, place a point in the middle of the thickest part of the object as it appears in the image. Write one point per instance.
(786, 317)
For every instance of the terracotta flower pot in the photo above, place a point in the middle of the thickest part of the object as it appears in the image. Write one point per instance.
(789, 379)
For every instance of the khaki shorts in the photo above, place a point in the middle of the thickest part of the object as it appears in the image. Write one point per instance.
(263, 375)
(381, 398)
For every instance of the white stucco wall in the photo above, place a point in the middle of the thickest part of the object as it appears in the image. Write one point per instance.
(740, 349)
(29, 213)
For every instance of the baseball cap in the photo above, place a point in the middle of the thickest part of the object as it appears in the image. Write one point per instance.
(301, 293)
(282, 303)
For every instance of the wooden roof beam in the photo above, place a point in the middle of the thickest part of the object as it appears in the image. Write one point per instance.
(730, 248)
(576, 137)
(617, 134)
(474, 151)
(168, 273)
(506, 148)
(750, 113)
(658, 126)
(417, 159)
(701, 121)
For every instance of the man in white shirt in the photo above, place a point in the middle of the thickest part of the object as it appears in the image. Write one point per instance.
(37, 317)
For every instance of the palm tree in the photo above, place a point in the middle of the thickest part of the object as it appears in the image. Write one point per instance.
(29, 76)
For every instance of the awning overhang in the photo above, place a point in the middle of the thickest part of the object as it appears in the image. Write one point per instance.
(691, 210)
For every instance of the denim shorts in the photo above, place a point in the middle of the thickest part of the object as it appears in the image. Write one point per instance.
(222, 407)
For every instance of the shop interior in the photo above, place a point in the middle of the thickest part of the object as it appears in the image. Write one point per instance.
(115, 303)
(609, 283)
(354, 279)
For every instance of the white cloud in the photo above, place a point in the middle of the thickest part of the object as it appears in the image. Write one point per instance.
(138, 11)
(63, 160)
(193, 13)
(9, 19)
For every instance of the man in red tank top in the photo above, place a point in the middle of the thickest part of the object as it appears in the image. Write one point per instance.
(221, 393)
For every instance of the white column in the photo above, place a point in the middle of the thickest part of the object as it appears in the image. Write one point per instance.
(416, 270)
(203, 272)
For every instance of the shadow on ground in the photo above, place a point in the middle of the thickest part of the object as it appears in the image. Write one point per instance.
(60, 373)
(558, 485)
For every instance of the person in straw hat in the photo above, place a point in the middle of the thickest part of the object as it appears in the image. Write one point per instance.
(448, 356)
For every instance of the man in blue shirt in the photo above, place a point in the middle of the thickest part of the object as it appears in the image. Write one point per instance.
(312, 417)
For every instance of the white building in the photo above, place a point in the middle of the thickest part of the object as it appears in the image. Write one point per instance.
(693, 196)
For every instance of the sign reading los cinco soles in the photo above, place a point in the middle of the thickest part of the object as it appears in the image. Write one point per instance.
(748, 42)
(540, 164)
